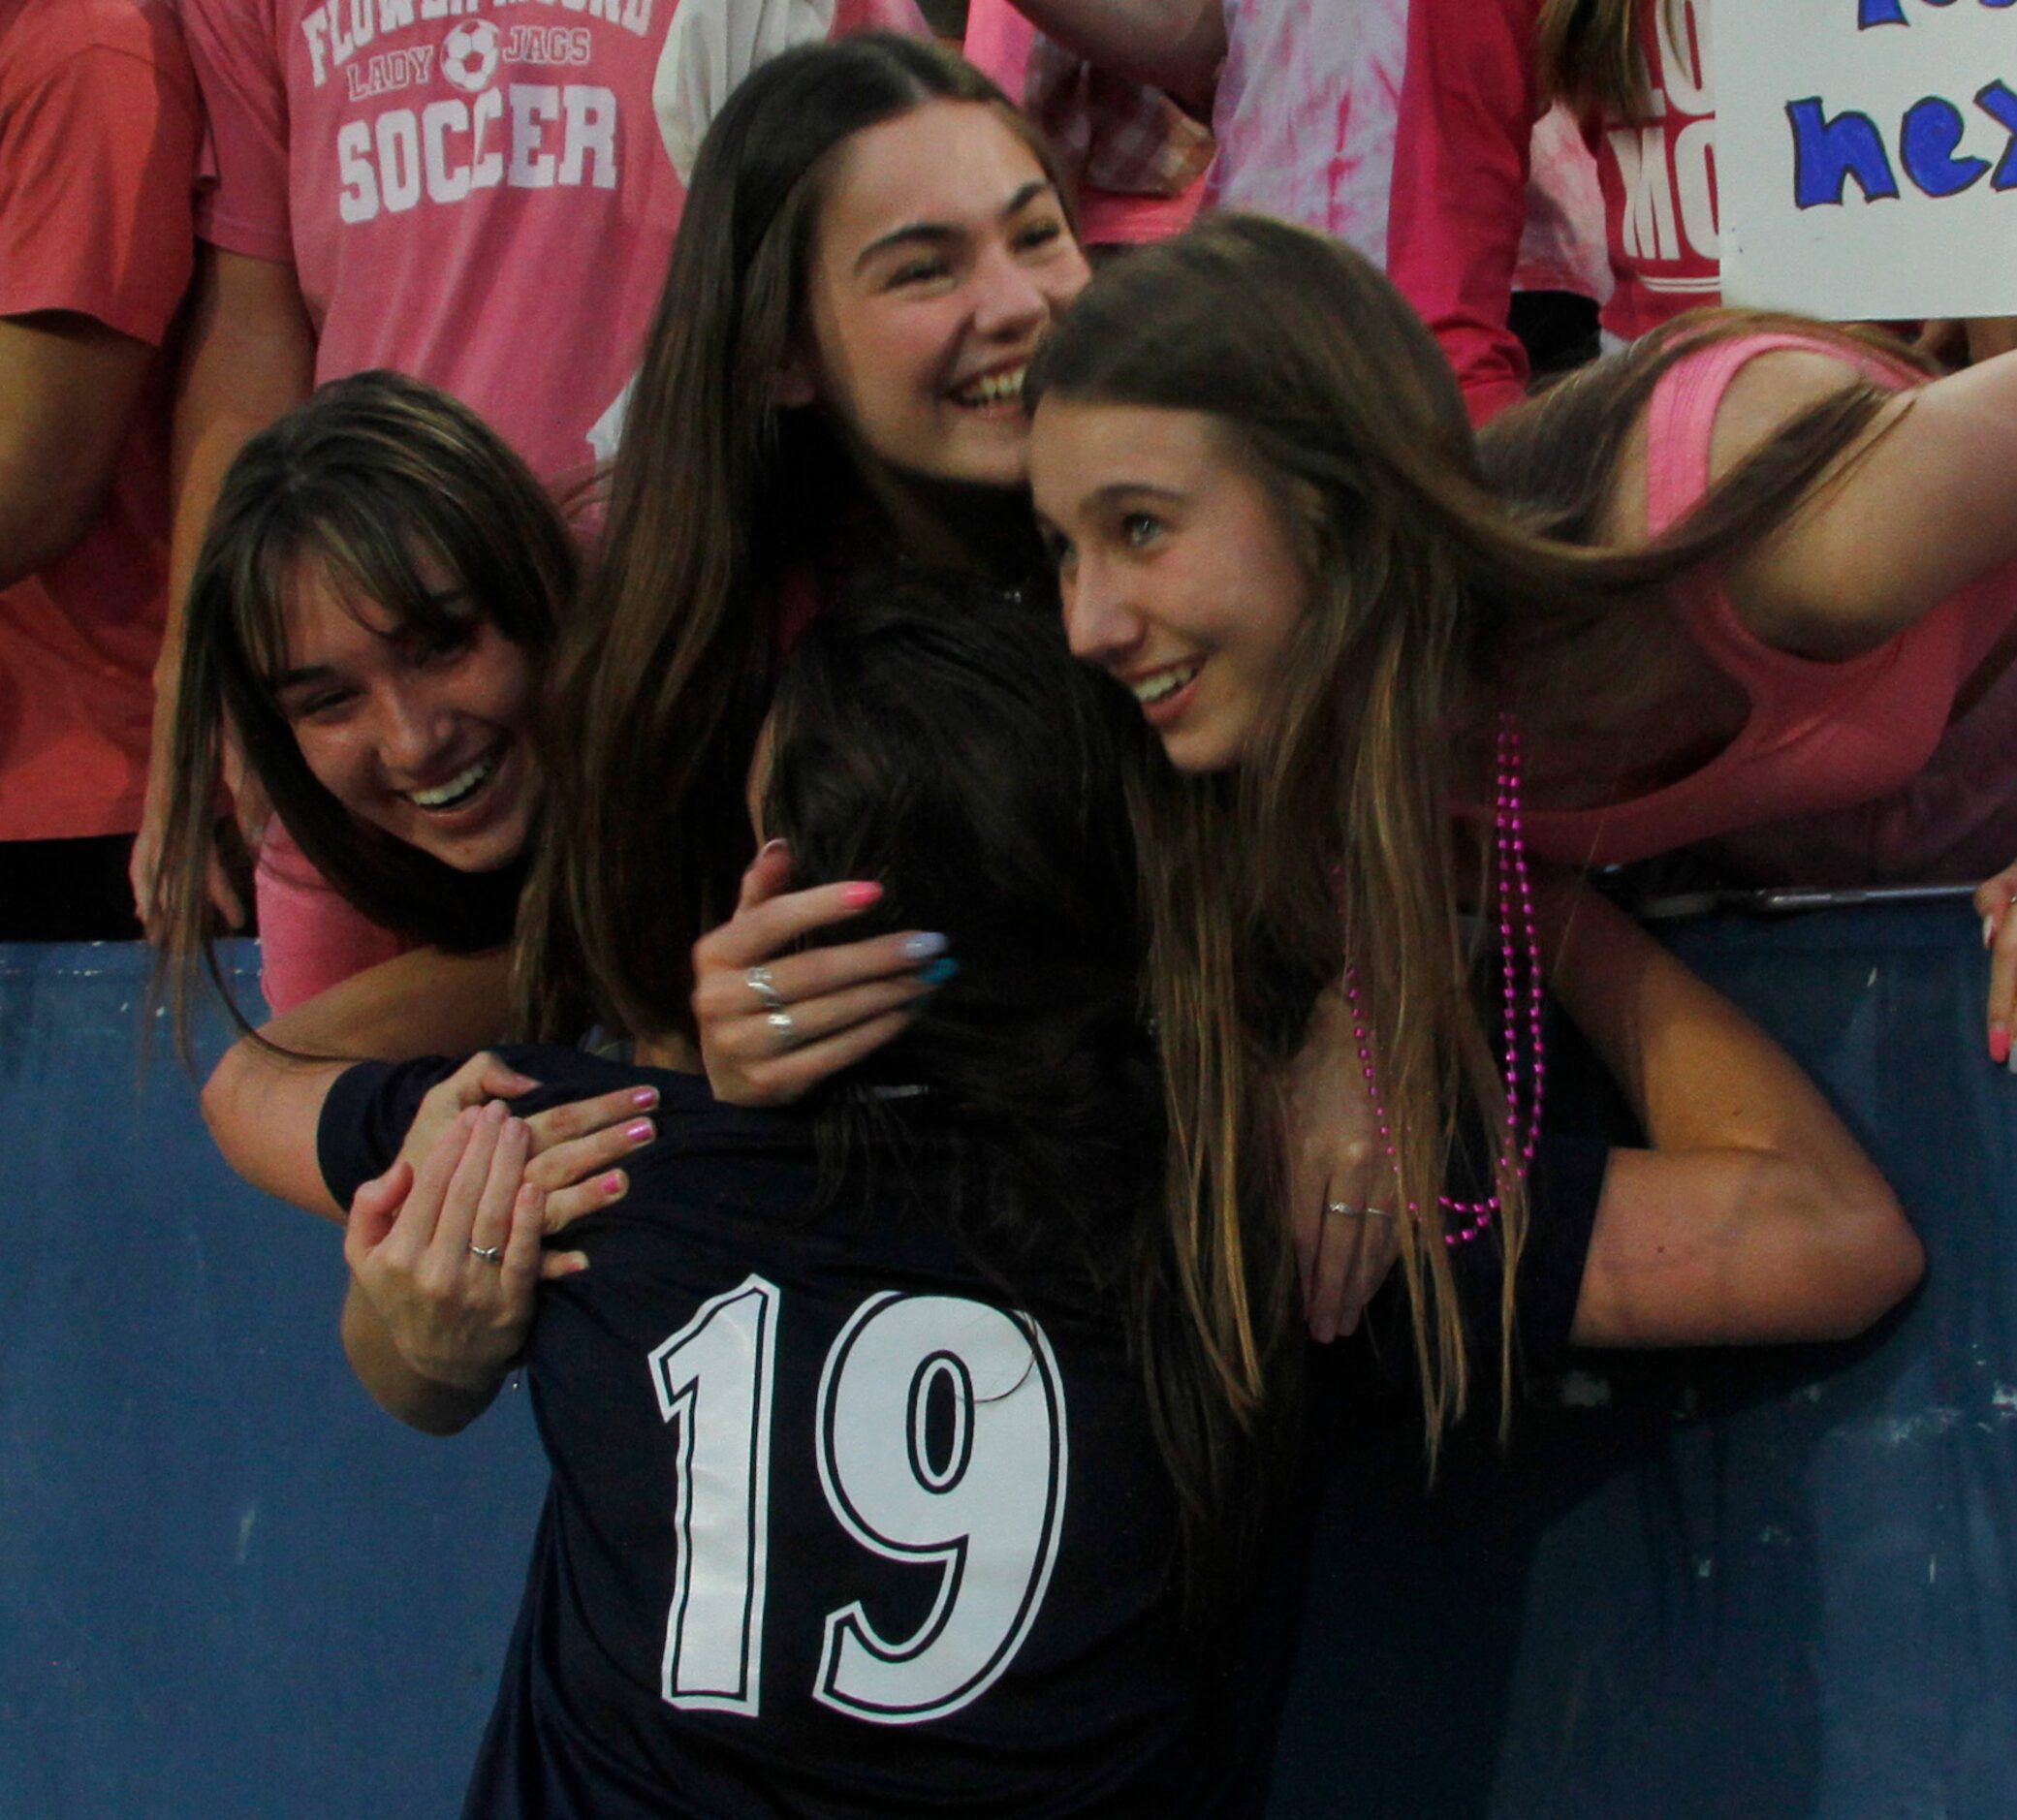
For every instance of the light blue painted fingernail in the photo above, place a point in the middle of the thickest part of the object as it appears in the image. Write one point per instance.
(923, 947)
(939, 971)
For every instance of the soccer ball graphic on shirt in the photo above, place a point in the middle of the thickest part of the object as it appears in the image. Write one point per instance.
(469, 56)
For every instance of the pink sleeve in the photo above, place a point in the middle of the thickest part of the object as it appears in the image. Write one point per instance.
(242, 201)
(94, 191)
(309, 938)
(1458, 202)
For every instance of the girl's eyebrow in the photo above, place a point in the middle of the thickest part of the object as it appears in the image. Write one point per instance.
(294, 678)
(937, 232)
(1120, 489)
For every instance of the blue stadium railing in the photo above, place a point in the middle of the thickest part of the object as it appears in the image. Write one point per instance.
(1777, 1584)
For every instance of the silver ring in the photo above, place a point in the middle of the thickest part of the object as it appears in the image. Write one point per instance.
(758, 979)
(490, 1254)
(785, 1026)
(1362, 1212)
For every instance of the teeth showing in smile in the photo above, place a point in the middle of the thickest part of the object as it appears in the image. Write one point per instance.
(459, 788)
(994, 388)
(1164, 683)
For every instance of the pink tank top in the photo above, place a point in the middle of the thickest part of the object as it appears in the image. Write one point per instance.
(1822, 734)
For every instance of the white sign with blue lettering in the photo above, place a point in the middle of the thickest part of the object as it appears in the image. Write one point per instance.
(1866, 155)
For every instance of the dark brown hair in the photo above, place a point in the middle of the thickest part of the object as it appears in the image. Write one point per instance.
(938, 738)
(372, 482)
(931, 736)
(719, 496)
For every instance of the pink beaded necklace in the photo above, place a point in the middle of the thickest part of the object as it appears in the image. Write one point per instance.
(1514, 895)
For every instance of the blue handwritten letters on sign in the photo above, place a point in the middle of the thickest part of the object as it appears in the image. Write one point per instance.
(1892, 11)
(1831, 148)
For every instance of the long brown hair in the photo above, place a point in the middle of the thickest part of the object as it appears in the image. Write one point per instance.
(719, 496)
(1334, 840)
(373, 481)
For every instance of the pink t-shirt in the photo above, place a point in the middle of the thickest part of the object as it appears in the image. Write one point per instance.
(309, 938)
(475, 195)
(1821, 736)
(1460, 166)
(98, 134)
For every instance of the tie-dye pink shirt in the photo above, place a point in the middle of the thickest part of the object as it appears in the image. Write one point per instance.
(1307, 113)
(1464, 153)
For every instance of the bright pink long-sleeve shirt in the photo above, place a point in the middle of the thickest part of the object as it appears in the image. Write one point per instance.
(1468, 109)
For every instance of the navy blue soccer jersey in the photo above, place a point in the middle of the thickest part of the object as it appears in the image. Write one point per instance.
(842, 1521)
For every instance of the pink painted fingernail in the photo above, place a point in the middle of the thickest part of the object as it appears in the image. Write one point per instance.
(495, 1112)
(612, 1185)
(643, 1132)
(860, 897)
(2000, 1043)
(1989, 931)
(770, 847)
(647, 1097)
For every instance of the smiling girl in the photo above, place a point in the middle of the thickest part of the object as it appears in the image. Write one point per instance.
(419, 732)
(873, 247)
(379, 586)
(1256, 475)
(1755, 570)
